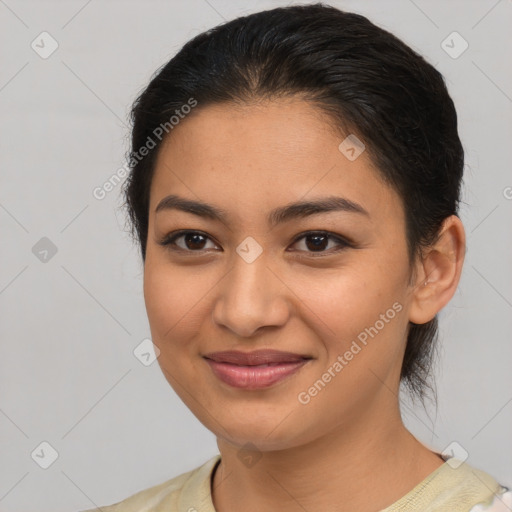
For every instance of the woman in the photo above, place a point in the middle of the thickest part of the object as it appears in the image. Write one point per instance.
(294, 188)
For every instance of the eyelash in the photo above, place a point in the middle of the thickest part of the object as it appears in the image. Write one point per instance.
(169, 242)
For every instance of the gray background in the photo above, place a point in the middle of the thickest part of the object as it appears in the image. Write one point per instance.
(69, 324)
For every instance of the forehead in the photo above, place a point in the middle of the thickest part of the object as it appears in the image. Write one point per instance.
(265, 154)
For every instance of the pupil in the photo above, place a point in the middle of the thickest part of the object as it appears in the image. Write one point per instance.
(194, 241)
(319, 241)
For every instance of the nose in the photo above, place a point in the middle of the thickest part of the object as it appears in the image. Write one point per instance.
(250, 297)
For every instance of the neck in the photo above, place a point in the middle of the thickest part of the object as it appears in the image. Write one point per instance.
(364, 467)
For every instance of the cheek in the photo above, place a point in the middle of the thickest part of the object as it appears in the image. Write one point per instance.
(350, 299)
(358, 313)
(170, 297)
(360, 321)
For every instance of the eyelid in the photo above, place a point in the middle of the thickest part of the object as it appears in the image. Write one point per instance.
(343, 242)
(168, 240)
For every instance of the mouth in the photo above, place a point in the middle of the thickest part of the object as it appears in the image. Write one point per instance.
(254, 370)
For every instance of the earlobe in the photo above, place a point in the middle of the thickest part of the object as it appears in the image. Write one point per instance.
(438, 272)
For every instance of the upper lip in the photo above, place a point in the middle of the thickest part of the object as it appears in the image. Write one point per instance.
(255, 358)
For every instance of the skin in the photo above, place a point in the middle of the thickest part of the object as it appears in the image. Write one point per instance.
(347, 448)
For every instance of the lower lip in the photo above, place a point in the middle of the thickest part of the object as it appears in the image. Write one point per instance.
(254, 377)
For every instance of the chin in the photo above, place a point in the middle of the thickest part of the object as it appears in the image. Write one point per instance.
(266, 435)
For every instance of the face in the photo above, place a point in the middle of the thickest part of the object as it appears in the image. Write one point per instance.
(328, 285)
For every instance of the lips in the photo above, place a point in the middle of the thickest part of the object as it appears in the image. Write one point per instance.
(255, 358)
(254, 370)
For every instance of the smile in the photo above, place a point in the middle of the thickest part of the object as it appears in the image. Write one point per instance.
(254, 376)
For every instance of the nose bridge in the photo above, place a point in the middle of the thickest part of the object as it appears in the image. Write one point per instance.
(249, 273)
(250, 296)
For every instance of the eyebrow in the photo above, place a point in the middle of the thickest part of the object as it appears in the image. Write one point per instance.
(279, 215)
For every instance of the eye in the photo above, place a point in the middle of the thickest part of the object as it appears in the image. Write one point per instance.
(318, 241)
(315, 243)
(189, 241)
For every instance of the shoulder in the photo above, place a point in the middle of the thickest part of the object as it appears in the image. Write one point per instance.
(192, 488)
(483, 492)
(455, 487)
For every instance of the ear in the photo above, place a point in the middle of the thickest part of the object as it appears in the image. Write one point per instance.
(440, 267)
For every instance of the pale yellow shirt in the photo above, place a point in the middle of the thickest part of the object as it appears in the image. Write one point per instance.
(453, 487)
